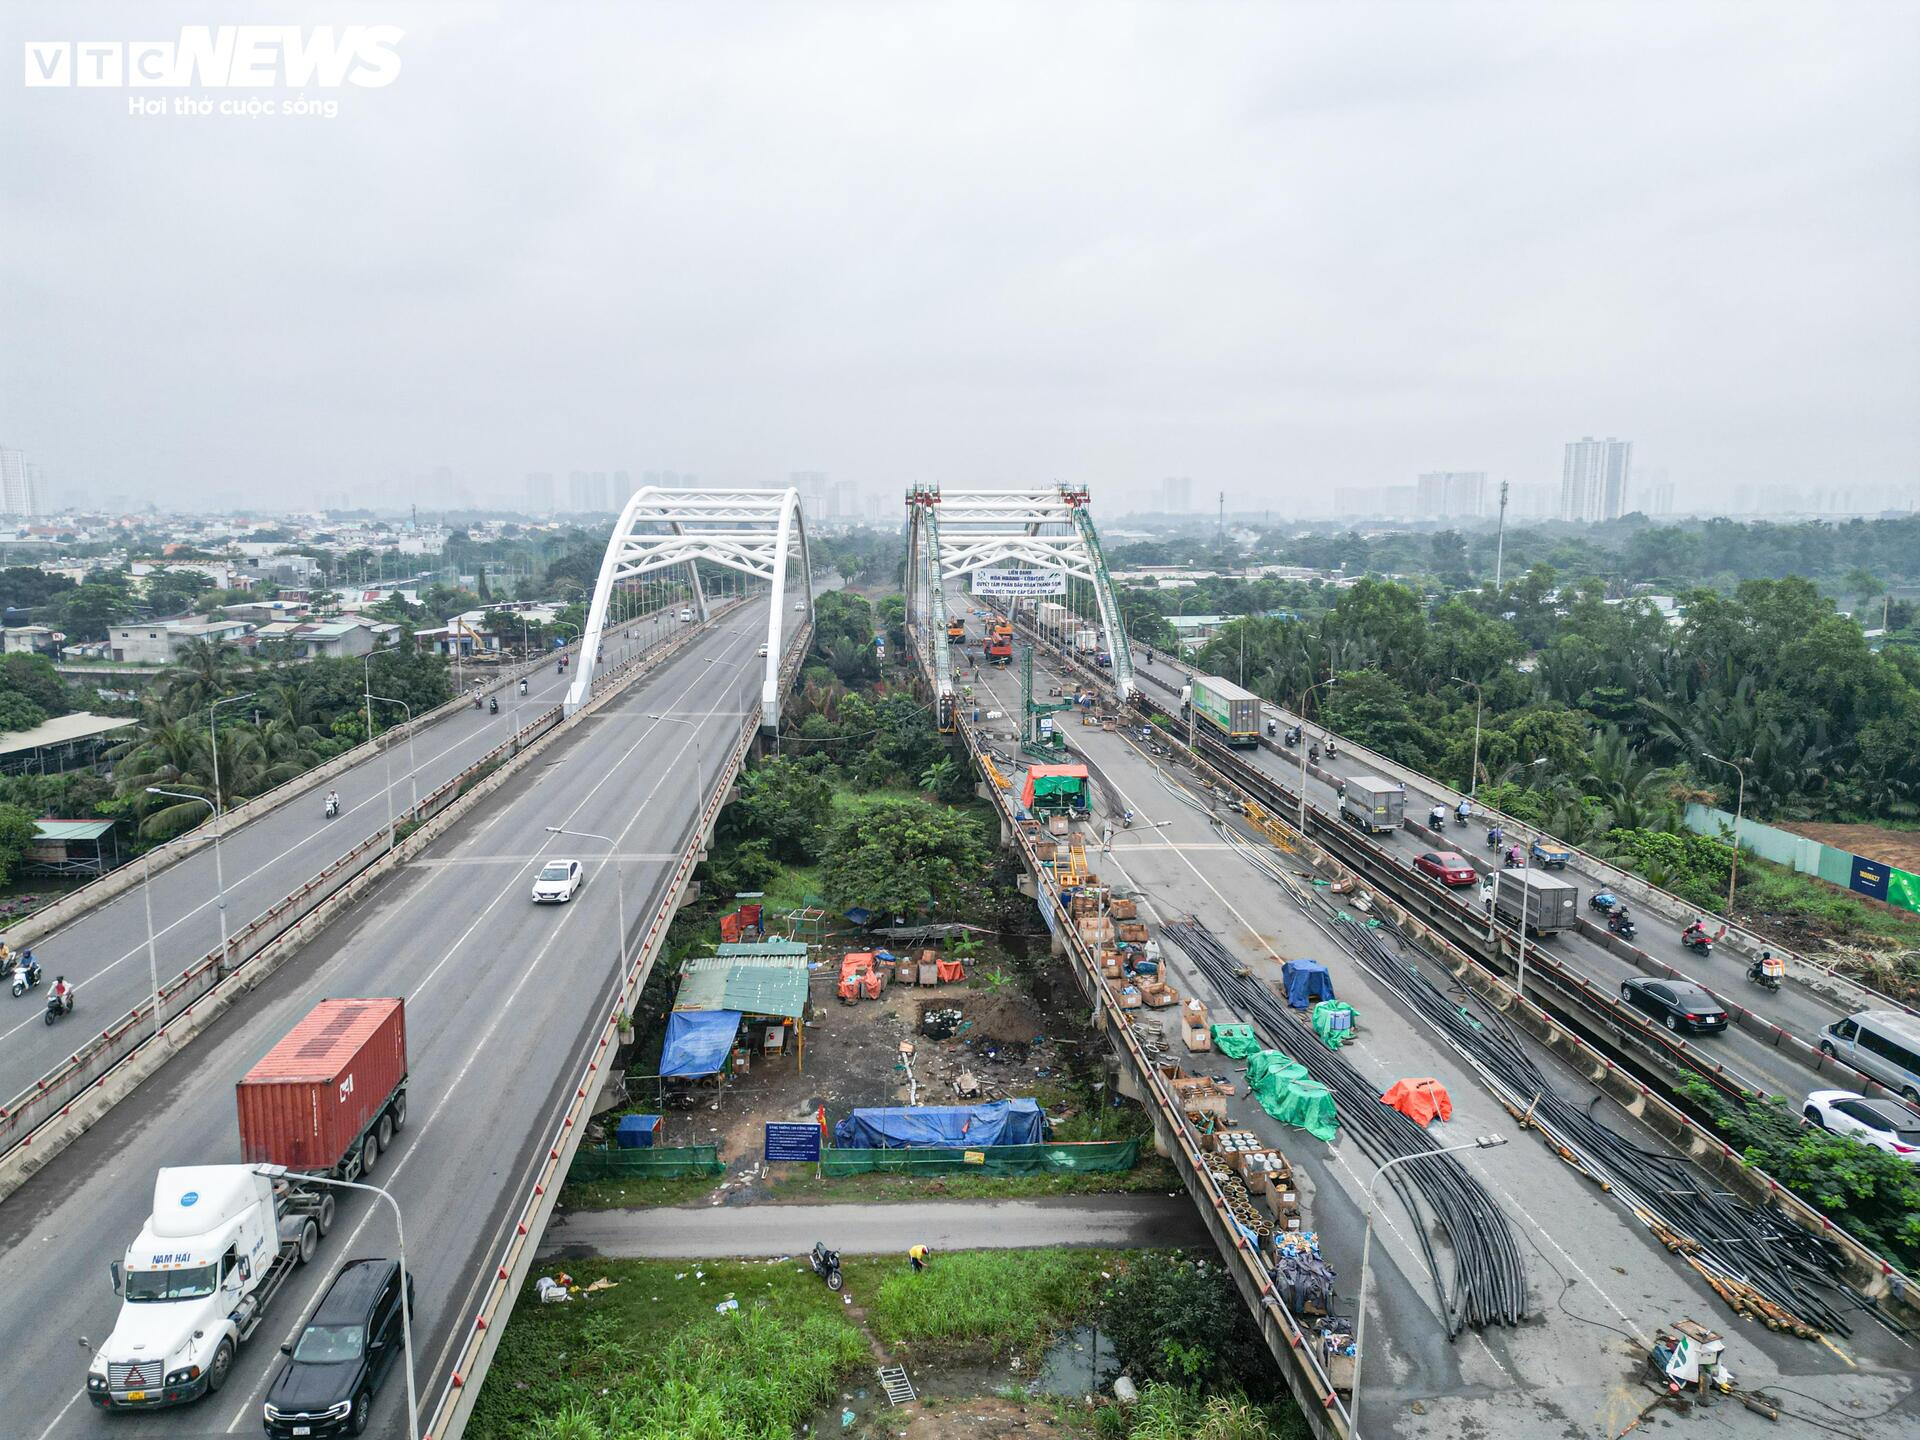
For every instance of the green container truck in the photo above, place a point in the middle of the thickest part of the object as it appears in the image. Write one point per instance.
(1232, 714)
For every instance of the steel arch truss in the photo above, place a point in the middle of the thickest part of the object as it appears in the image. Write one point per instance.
(953, 533)
(752, 531)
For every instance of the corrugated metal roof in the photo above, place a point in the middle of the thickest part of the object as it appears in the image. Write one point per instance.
(71, 829)
(759, 985)
(59, 730)
(744, 948)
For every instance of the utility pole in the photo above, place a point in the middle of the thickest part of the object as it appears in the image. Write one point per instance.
(1500, 541)
(1220, 526)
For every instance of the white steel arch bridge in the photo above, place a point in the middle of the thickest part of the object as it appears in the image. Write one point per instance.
(1044, 530)
(751, 531)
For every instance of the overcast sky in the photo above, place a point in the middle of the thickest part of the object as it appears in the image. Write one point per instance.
(1280, 248)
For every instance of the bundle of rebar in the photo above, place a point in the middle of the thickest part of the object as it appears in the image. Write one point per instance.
(1486, 1283)
(1756, 1259)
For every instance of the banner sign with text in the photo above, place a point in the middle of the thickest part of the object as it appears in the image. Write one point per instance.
(1022, 584)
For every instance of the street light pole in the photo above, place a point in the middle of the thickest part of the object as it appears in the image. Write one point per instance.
(1739, 806)
(1306, 695)
(413, 769)
(279, 1172)
(219, 880)
(213, 743)
(619, 887)
(1481, 1142)
(1473, 772)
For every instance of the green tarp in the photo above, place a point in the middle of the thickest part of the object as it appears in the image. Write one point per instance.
(1280, 1084)
(661, 1164)
(1333, 1022)
(1099, 1155)
(1236, 1042)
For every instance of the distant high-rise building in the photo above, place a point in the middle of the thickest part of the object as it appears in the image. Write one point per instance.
(580, 495)
(1451, 494)
(1176, 494)
(1376, 502)
(622, 491)
(19, 494)
(540, 492)
(1594, 477)
(1655, 490)
(812, 485)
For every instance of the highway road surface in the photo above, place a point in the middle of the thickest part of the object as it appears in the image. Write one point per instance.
(104, 951)
(1599, 1283)
(1123, 1222)
(1794, 1008)
(501, 996)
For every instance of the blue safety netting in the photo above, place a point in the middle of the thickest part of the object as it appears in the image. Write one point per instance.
(1306, 982)
(1000, 1122)
(698, 1041)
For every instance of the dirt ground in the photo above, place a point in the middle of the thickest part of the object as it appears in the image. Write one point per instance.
(1899, 848)
(853, 1059)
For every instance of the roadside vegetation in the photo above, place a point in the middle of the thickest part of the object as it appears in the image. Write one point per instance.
(1009, 1301)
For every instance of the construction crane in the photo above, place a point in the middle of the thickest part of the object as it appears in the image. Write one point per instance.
(1038, 741)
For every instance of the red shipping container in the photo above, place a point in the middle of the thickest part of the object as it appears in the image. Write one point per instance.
(316, 1092)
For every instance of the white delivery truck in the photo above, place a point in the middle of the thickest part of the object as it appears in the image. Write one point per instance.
(196, 1282)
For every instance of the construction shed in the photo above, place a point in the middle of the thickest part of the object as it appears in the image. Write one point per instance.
(763, 989)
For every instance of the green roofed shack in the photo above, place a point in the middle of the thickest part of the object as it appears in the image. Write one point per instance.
(764, 983)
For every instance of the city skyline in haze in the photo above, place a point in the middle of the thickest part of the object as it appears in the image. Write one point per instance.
(1275, 252)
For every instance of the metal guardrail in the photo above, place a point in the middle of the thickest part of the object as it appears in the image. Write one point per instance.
(1293, 1347)
(461, 1389)
(52, 1097)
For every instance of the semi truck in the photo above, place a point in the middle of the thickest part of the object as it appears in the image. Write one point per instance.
(1231, 714)
(1375, 805)
(1545, 904)
(223, 1239)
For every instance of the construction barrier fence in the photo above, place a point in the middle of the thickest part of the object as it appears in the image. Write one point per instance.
(1090, 1157)
(1872, 878)
(658, 1163)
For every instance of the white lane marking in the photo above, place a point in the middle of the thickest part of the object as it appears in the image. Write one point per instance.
(364, 767)
(248, 1406)
(523, 859)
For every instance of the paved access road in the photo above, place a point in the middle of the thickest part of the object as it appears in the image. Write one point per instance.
(1599, 1283)
(501, 996)
(104, 951)
(1123, 1222)
(1794, 1008)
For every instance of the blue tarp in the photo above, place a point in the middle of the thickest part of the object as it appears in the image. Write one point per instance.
(1306, 982)
(698, 1041)
(1002, 1122)
(636, 1132)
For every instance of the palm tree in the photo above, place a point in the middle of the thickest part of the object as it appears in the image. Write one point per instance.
(203, 673)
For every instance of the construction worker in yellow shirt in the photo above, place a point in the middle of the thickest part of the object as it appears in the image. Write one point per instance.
(918, 1257)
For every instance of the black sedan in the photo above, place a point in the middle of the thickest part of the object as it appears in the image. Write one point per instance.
(348, 1347)
(1677, 1004)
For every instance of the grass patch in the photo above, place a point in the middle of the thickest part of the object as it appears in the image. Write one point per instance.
(1781, 894)
(638, 1193)
(1154, 1174)
(1010, 1298)
(650, 1359)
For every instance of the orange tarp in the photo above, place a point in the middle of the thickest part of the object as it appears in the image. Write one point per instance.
(729, 928)
(952, 972)
(1420, 1100)
(856, 969)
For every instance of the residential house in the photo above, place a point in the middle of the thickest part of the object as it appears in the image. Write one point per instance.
(161, 642)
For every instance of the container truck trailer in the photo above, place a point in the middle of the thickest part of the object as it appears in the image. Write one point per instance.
(222, 1240)
(1230, 713)
(1375, 805)
(1545, 904)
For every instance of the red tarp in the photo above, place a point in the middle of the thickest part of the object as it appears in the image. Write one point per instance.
(750, 918)
(729, 928)
(1043, 772)
(952, 972)
(856, 969)
(1420, 1100)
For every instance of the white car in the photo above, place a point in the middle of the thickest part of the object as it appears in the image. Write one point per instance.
(763, 652)
(1882, 1124)
(686, 615)
(557, 882)
(800, 606)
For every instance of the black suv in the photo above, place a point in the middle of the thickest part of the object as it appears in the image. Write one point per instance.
(349, 1344)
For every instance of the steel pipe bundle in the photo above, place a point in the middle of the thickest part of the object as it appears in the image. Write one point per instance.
(1487, 1283)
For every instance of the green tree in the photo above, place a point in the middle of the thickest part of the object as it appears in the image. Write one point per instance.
(86, 611)
(17, 829)
(785, 806)
(33, 678)
(904, 857)
(1181, 1321)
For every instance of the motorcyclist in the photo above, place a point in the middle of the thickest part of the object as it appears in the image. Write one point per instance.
(62, 992)
(333, 803)
(1313, 752)
(1126, 819)
(1332, 748)
(1271, 728)
(1514, 858)
(28, 968)
(1464, 810)
(1437, 817)
(1496, 837)
(1618, 919)
(1694, 932)
(523, 684)
(493, 704)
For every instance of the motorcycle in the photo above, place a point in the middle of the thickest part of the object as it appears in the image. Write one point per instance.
(826, 1264)
(1496, 838)
(1292, 738)
(493, 704)
(1437, 818)
(1605, 901)
(1513, 859)
(476, 702)
(1332, 750)
(1313, 754)
(523, 687)
(1126, 820)
(60, 1006)
(1766, 971)
(1620, 923)
(1696, 938)
(26, 976)
(333, 807)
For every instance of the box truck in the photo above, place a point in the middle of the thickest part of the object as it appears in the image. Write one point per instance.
(1375, 805)
(222, 1239)
(1230, 713)
(1544, 903)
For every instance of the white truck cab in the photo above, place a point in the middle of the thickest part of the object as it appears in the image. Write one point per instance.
(193, 1284)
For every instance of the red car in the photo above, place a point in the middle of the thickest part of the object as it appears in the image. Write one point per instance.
(1449, 867)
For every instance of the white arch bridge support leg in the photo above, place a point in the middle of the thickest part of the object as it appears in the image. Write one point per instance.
(752, 531)
(1042, 528)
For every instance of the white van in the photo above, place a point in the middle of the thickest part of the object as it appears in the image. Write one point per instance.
(1883, 1043)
